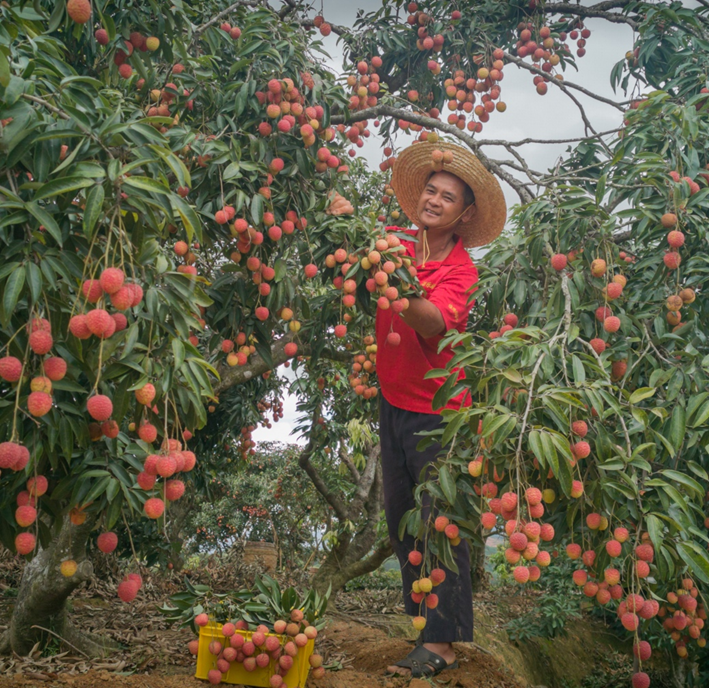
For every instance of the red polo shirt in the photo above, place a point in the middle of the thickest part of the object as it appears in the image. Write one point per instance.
(401, 369)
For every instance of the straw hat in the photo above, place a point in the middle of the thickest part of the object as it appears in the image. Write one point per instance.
(412, 169)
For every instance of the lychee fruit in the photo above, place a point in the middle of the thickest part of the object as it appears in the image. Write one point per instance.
(55, 368)
(672, 260)
(100, 407)
(145, 394)
(78, 327)
(92, 290)
(154, 507)
(127, 590)
(10, 368)
(99, 322)
(24, 543)
(37, 486)
(174, 489)
(39, 403)
(107, 542)
(559, 261)
(25, 515)
(598, 345)
(147, 432)
(111, 280)
(41, 342)
(79, 10)
(579, 428)
(611, 324)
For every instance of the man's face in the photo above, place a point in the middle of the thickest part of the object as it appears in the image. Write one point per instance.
(442, 201)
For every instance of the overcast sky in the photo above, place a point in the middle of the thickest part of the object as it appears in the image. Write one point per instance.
(528, 115)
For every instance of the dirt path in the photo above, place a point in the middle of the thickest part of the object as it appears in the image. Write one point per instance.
(362, 651)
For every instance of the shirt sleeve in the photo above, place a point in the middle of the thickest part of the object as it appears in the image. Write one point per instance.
(452, 296)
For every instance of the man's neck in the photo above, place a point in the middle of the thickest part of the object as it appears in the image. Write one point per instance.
(440, 244)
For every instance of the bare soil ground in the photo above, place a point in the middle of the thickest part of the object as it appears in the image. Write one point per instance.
(358, 643)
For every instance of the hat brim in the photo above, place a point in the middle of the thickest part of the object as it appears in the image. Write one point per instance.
(412, 169)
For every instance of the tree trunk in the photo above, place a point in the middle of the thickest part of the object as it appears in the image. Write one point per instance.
(44, 591)
(339, 566)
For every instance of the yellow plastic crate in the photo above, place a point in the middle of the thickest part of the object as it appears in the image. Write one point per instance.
(295, 678)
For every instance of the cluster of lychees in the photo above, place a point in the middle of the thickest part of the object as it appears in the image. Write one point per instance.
(363, 367)
(171, 460)
(272, 650)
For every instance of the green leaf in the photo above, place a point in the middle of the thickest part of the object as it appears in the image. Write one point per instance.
(578, 370)
(696, 559)
(94, 205)
(655, 528)
(13, 289)
(685, 480)
(677, 427)
(640, 394)
(61, 186)
(178, 351)
(189, 217)
(257, 209)
(702, 416)
(45, 219)
(447, 484)
(146, 184)
(34, 277)
(550, 453)
(535, 444)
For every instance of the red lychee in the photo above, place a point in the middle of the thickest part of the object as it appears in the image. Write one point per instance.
(92, 290)
(55, 368)
(145, 394)
(174, 489)
(122, 299)
(99, 322)
(111, 280)
(100, 407)
(598, 345)
(37, 486)
(78, 327)
(24, 543)
(41, 342)
(147, 432)
(127, 590)
(107, 542)
(154, 507)
(39, 403)
(10, 368)
(79, 10)
(672, 260)
(559, 261)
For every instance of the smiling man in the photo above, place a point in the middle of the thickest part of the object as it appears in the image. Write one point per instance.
(455, 205)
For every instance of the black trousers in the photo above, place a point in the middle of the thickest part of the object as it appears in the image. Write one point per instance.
(452, 620)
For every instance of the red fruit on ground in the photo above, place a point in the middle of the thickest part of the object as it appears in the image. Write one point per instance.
(107, 542)
(100, 407)
(154, 507)
(39, 403)
(79, 10)
(10, 368)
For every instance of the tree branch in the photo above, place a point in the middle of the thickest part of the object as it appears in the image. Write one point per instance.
(350, 464)
(564, 85)
(523, 192)
(238, 375)
(599, 10)
(304, 462)
(203, 27)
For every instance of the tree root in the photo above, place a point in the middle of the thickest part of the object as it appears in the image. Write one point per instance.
(5, 647)
(89, 644)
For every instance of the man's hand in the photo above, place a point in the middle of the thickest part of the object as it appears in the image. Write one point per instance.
(339, 205)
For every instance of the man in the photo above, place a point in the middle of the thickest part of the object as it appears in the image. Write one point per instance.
(455, 205)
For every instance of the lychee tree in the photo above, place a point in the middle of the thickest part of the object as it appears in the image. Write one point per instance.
(142, 183)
